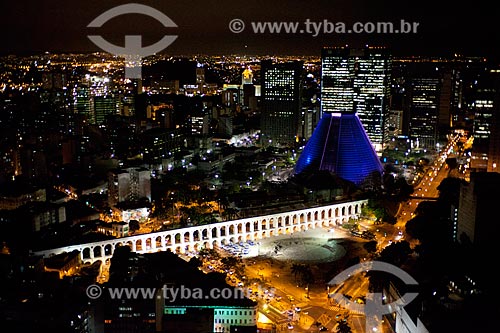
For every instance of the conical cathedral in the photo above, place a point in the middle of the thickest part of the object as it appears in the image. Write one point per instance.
(340, 144)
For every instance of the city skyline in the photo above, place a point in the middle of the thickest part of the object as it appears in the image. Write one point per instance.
(257, 149)
(202, 28)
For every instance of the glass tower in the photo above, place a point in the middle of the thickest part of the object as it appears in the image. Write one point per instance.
(357, 80)
(280, 102)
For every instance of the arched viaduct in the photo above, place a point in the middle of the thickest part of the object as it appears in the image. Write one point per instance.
(210, 235)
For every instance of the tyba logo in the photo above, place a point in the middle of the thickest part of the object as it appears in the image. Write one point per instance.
(133, 52)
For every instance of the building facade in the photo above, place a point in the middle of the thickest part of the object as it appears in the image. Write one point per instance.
(358, 80)
(477, 204)
(129, 184)
(280, 102)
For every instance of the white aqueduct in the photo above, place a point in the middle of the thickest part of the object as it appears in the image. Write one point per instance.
(210, 235)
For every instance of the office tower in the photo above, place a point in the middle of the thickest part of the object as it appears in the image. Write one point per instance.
(247, 76)
(34, 163)
(199, 124)
(424, 111)
(395, 123)
(161, 115)
(449, 99)
(129, 184)
(470, 72)
(481, 131)
(104, 106)
(358, 80)
(371, 84)
(337, 80)
(477, 204)
(161, 144)
(426, 92)
(225, 125)
(200, 79)
(432, 94)
(309, 118)
(280, 102)
(483, 106)
(84, 104)
(244, 94)
(249, 96)
(494, 143)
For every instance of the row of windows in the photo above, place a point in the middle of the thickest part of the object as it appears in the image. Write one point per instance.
(175, 311)
(231, 321)
(235, 312)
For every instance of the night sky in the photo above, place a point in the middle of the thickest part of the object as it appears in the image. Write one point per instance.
(61, 26)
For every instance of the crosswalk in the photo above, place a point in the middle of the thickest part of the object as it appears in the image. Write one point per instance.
(335, 308)
(324, 319)
(339, 308)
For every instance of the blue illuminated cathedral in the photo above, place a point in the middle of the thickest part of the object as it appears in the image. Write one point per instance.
(353, 84)
(340, 145)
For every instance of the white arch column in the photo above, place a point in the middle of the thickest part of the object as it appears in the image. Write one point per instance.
(252, 231)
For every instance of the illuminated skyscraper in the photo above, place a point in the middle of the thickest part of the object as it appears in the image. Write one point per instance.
(84, 104)
(424, 97)
(281, 102)
(104, 106)
(430, 92)
(357, 80)
(247, 76)
(494, 141)
(494, 144)
(483, 105)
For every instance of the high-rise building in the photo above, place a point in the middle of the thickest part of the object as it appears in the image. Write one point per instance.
(247, 76)
(477, 204)
(225, 125)
(483, 106)
(310, 116)
(200, 79)
(199, 124)
(245, 94)
(83, 103)
(494, 143)
(160, 144)
(431, 93)
(129, 184)
(104, 106)
(395, 123)
(337, 80)
(424, 111)
(280, 102)
(358, 80)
